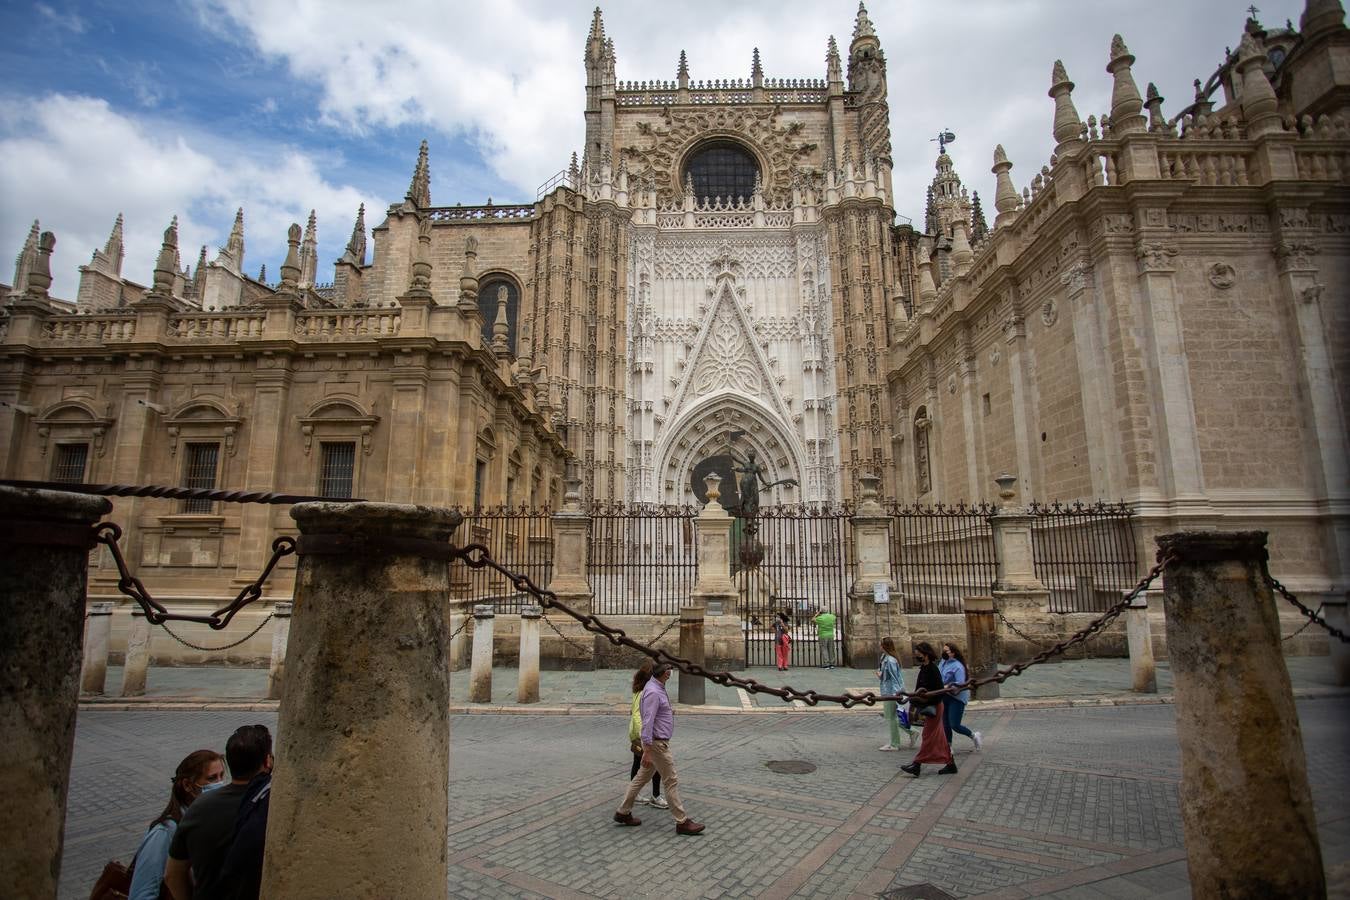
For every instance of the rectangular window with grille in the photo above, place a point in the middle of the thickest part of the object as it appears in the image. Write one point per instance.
(338, 469)
(479, 476)
(70, 462)
(201, 460)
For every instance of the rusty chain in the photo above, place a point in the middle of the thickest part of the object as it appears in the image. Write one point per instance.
(1280, 589)
(186, 643)
(174, 493)
(571, 643)
(1014, 629)
(478, 556)
(1304, 627)
(108, 534)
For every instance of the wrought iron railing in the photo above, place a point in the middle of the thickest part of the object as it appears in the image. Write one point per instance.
(643, 558)
(515, 533)
(941, 554)
(1084, 553)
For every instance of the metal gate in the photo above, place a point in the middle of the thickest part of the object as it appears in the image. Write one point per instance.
(807, 568)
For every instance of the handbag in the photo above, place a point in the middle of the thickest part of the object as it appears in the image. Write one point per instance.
(114, 883)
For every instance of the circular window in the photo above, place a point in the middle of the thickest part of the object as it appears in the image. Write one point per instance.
(721, 169)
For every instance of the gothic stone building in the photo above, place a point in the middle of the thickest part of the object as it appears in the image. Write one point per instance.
(1159, 315)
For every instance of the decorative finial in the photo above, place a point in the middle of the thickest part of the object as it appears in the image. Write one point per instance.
(419, 189)
(756, 70)
(39, 279)
(682, 70)
(862, 26)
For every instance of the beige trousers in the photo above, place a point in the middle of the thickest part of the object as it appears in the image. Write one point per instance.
(664, 763)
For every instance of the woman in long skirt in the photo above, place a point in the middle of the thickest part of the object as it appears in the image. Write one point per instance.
(933, 746)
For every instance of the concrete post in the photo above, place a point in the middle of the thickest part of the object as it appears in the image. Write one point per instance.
(1245, 804)
(862, 630)
(1139, 636)
(1335, 614)
(45, 541)
(97, 637)
(981, 644)
(458, 647)
(527, 685)
(692, 688)
(136, 661)
(281, 632)
(480, 667)
(364, 734)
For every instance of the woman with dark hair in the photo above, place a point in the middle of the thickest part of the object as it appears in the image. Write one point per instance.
(199, 772)
(782, 640)
(933, 746)
(640, 679)
(953, 667)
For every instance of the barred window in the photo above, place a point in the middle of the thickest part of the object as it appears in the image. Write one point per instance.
(338, 468)
(201, 464)
(70, 462)
(722, 169)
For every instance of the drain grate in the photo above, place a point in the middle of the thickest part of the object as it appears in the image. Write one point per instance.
(791, 766)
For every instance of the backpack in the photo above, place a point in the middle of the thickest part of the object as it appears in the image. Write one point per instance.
(241, 871)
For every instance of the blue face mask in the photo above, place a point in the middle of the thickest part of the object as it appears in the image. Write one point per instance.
(208, 788)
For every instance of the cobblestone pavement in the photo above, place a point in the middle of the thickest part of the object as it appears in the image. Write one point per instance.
(1068, 803)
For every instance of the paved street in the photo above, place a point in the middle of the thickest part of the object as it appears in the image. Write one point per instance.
(1062, 802)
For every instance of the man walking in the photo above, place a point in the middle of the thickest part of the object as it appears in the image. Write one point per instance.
(825, 634)
(658, 726)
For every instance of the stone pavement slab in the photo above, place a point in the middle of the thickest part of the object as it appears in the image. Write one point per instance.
(1072, 803)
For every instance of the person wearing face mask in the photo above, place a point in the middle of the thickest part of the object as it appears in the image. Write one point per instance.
(953, 668)
(200, 772)
(933, 746)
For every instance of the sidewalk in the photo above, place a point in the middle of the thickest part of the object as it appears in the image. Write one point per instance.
(1090, 682)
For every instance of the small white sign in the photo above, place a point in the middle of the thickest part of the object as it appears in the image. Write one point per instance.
(881, 592)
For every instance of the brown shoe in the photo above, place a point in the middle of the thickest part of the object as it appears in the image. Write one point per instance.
(689, 826)
(628, 819)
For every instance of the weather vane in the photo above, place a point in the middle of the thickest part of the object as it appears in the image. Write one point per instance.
(944, 138)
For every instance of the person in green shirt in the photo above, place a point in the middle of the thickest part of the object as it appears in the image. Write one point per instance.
(825, 632)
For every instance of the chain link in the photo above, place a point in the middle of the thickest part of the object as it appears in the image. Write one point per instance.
(571, 643)
(478, 556)
(187, 643)
(665, 631)
(1014, 629)
(1304, 627)
(1280, 589)
(463, 623)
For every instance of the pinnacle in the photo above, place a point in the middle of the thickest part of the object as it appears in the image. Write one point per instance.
(1118, 48)
(1058, 74)
(1151, 92)
(682, 71)
(862, 27)
(1000, 156)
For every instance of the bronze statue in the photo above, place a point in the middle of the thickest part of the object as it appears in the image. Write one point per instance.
(752, 481)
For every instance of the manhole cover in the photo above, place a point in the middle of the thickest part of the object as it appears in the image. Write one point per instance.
(791, 766)
(923, 891)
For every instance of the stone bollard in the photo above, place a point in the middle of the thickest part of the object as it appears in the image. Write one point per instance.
(45, 541)
(1245, 804)
(364, 732)
(281, 631)
(527, 685)
(1139, 636)
(136, 661)
(480, 666)
(1340, 651)
(97, 637)
(692, 688)
(981, 644)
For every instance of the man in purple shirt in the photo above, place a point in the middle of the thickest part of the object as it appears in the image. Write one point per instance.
(658, 726)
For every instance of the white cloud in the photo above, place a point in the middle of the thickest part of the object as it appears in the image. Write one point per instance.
(66, 20)
(83, 162)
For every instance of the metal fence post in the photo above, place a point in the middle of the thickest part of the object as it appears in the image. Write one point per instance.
(45, 539)
(97, 637)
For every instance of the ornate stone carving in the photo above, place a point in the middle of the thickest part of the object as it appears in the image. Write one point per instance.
(698, 258)
(951, 384)
(1156, 256)
(995, 356)
(1311, 294)
(726, 361)
(1049, 312)
(1222, 276)
(1295, 256)
(1076, 277)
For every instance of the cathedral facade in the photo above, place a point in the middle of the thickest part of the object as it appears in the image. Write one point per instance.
(1158, 315)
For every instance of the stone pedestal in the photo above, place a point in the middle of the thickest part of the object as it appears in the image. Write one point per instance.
(691, 688)
(97, 637)
(527, 685)
(480, 669)
(1245, 804)
(281, 630)
(360, 790)
(1335, 614)
(1029, 613)
(137, 659)
(872, 561)
(713, 530)
(1139, 635)
(569, 581)
(981, 644)
(45, 541)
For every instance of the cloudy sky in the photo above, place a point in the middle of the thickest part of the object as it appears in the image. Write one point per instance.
(197, 107)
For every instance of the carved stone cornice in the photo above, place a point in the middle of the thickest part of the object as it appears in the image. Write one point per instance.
(1076, 277)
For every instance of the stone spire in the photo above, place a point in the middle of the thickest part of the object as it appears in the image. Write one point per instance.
(113, 251)
(950, 203)
(356, 247)
(262, 274)
(309, 252)
(1259, 106)
(1005, 195)
(419, 189)
(862, 25)
(834, 67)
(501, 326)
(930, 221)
(978, 227)
(232, 257)
(1126, 104)
(595, 38)
(23, 264)
(290, 269)
(1320, 16)
(682, 72)
(756, 70)
(468, 279)
(1153, 103)
(1067, 124)
(197, 284)
(166, 265)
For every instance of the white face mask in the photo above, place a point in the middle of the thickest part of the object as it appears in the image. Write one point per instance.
(208, 788)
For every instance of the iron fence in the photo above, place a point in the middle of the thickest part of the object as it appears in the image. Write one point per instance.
(1084, 554)
(521, 538)
(643, 558)
(941, 554)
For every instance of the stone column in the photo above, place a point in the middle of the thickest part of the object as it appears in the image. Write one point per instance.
(1018, 593)
(692, 689)
(527, 686)
(281, 631)
(136, 660)
(571, 554)
(1340, 651)
(1245, 804)
(480, 667)
(97, 636)
(872, 561)
(364, 734)
(981, 644)
(45, 541)
(723, 640)
(1139, 636)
